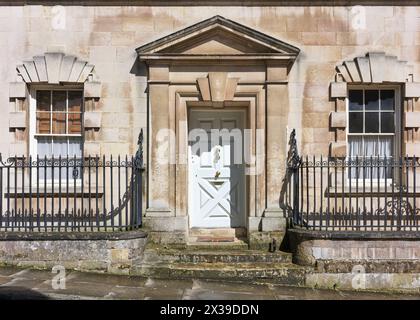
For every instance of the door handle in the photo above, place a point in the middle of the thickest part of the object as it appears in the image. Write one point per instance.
(217, 174)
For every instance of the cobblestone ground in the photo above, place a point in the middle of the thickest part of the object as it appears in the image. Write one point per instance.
(35, 284)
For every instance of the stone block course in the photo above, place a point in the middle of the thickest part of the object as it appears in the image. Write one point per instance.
(315, 38)
(100, 38)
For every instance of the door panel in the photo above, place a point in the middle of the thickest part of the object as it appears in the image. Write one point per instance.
(216, 170)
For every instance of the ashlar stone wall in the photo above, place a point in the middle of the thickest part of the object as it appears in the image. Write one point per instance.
(106, 37)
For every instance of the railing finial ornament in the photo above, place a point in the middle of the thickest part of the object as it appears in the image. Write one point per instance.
(138, 160)
(293, 158)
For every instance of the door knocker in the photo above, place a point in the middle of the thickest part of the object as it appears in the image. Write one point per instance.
(216, 155)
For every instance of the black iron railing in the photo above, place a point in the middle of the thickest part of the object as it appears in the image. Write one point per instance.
(364, 194)
(70, 194)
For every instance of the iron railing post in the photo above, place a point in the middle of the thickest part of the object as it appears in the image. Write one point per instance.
(138, 167)
(293, 163)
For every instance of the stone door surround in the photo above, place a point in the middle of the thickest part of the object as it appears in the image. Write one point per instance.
(216, 63)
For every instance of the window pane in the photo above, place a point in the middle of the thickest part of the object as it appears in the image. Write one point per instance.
(387, 100)
(59, 123)
(371, 122)
(356, 122)
(372, 99)
(370, 146)
(75, 147)
(59, 100)
(43, 100)
(44, 146)
(43, 122)
(385, 146)
(75, 101)
(75, 123)
(387, 122)
(355, 100)
(59, 147)
(355, 151)
(355, 146)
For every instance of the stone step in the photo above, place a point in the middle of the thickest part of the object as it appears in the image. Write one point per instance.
(229, 245)
(279, 273)
(236, 257)
(243, 256)
(216, 234)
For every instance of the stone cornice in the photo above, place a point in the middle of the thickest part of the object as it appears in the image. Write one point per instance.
(213, 2)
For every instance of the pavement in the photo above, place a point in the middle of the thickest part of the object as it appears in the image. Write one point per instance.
(73, 285)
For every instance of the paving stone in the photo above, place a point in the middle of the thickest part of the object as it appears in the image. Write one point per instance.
(166, 283)
(202, 294)
(36, 284)
(163, 296)
(93, 289)
(22, 282)
(127, 293)
(231, 287)
(38, 275)
(110, 279)
(7, 271)
(4, 280)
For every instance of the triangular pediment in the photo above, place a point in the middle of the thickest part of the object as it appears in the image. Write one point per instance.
(218, 36)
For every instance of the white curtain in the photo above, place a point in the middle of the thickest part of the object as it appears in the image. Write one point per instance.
(44, 147)
(75, 147)
(59, 146)
(365, 147)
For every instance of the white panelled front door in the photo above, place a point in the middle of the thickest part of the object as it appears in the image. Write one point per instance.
(216, 169)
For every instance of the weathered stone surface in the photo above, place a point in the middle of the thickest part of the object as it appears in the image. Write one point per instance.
(412, 148)
(53, 62)
(17, 119)
(412, 89)
(112, 256)
(338, 149)
(18, 148)
(364, 69)
(353, 71)
(338, 119)
(92, 89)
(17, 90)
(92, 148)
(412, 119)
(377, 66)
(92, 120)
(338, 89)
(309, 249)
(166, 223)
(263, 240)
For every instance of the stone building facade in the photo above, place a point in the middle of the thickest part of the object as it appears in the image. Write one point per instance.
(268, 68)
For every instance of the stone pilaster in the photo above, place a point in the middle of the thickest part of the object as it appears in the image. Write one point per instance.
(276, 143)
(159, 148)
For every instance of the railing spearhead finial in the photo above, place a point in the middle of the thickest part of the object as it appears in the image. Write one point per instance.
(140, 139)
(138, 160)
(293, 158)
